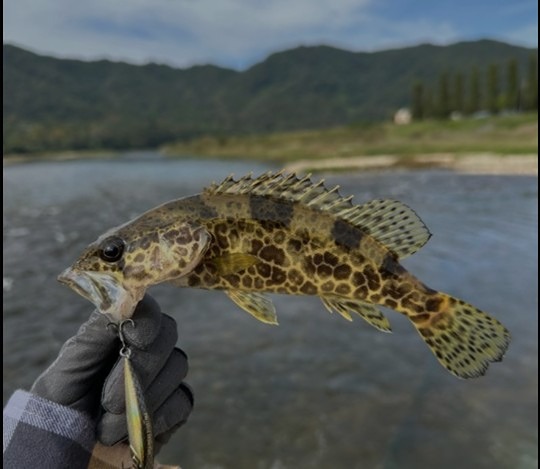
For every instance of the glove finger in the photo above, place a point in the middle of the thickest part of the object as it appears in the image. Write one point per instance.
(146, 364)
(173, 413)
(163, 438)
(82, 363)
(147, 318)
(112, 428)
(168, 379)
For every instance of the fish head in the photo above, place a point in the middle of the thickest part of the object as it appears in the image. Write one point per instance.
(115, 271)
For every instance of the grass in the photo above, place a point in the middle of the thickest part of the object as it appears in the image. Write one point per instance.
(511, 134)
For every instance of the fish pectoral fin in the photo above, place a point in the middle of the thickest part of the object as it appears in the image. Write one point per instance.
(256, 304)
(366, 311)
(233, 262)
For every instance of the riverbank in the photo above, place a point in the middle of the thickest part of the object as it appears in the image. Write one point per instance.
(494, 145)
(474, 163)
(500, 135)
(481, 163)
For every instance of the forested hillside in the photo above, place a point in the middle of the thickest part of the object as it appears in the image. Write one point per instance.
(56, 104)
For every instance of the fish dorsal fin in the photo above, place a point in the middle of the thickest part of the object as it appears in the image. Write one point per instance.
(256, 304)
(370, 313)
(285, 187)
(392, 223)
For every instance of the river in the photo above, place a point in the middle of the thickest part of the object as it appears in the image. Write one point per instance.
(317, 391)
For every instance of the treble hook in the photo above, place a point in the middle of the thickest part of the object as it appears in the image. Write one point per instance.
(125, 351)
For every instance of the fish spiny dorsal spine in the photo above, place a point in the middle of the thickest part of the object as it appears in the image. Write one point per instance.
(390, 222)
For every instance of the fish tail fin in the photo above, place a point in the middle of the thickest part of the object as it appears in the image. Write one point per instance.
(464, 339)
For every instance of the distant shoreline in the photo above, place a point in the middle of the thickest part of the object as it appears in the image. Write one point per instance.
(471, 163)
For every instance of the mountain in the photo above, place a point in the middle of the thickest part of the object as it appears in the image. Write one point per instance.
(55, 104)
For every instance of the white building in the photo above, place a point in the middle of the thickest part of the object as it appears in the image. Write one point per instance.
(402, 116)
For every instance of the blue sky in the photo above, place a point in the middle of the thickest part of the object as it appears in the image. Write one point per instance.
(238, 33)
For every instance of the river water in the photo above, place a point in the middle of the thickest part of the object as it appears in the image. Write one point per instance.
(317, 391)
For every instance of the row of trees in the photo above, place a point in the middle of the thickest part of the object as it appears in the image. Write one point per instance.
(468, 95)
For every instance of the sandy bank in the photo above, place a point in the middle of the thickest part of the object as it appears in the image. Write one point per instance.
(481, 163)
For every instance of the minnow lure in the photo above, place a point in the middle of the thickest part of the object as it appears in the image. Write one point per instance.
(281, 234)
(139, 423)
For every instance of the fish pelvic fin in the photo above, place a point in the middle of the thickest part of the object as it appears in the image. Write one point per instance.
(369, 312)
(256, 304)
(464, 339)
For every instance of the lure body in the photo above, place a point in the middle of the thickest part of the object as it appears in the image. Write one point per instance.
(139, 423)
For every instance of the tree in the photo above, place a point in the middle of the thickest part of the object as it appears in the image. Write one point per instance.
(429, 107)
(443, 104)
(512, 86)
(458, 103)
(531, 89)
(418, 101)
(475, 98)
(493, 88)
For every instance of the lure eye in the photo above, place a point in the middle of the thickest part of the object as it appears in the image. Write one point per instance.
(112, 249)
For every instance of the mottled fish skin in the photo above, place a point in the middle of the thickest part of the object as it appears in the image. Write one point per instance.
(281, 234)
(153, 248)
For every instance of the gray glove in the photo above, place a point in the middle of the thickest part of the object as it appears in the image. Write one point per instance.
(88, 375)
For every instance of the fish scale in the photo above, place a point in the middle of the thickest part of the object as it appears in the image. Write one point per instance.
(278, 233)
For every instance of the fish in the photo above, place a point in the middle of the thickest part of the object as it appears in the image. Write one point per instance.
(283, 233)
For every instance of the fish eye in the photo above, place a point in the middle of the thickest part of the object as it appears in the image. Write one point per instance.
(111, 249)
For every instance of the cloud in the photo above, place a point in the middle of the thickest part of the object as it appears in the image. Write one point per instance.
(234, 33)
(526, 36)
(180, 32)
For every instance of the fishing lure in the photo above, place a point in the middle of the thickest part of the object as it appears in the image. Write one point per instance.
(139, 423)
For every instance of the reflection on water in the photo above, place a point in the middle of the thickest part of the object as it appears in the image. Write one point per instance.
(317, 391)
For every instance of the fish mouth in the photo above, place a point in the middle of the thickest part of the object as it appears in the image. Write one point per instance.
(108, 295)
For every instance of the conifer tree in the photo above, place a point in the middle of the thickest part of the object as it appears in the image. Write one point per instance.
(458, 93)
(418, 101)
(512, 86)
(532, 84)
(475, 99)
(493, 88)
(443, 104)
(429, 108)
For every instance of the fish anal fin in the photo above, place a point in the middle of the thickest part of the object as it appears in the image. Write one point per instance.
(369, 312)
(256, 304)
(333, 305)
(231, 263)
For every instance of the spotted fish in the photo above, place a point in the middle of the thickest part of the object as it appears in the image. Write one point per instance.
(279, 233)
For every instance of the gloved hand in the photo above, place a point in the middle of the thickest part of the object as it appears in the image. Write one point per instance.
(88, 373)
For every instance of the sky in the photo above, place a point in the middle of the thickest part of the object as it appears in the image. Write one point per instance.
(238, 33)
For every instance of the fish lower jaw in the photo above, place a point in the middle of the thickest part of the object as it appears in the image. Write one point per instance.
(107, 294)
